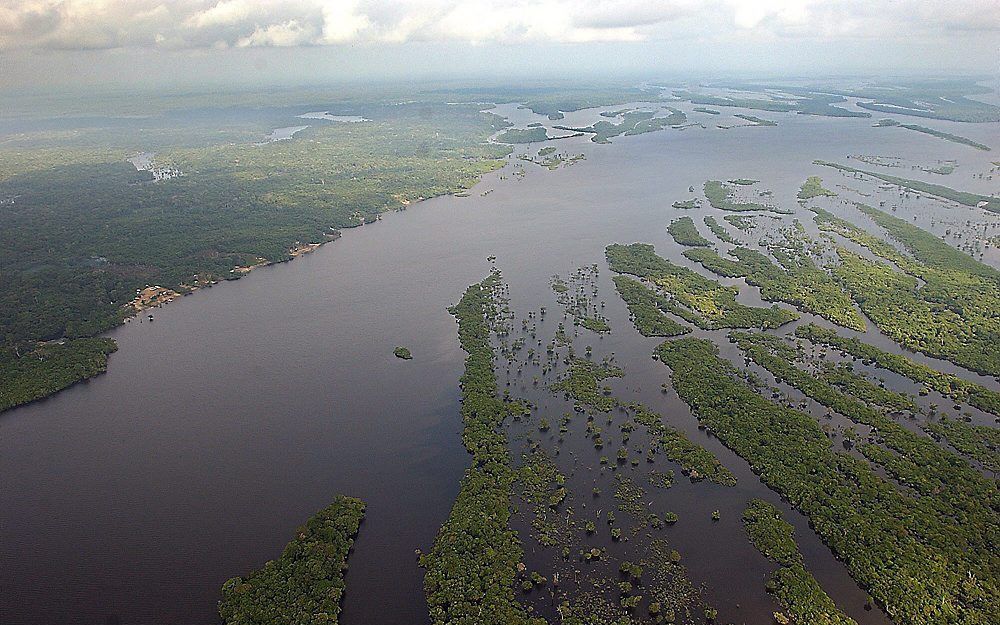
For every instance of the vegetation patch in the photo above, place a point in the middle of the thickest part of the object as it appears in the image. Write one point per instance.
(50, 368)
(965, 198)
(939, 301)
(797, 281)
(914, 564)
(471, 569)
(694, 298)
(723, 197)
(403, 353)
(685, 232)
(305, 584)
(719, 231)
(646, 309)
(813, 187)
(793, 586)
(581, 383)
(934, 133)
(526, 135)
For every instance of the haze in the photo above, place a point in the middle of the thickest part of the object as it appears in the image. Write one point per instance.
(55, 43)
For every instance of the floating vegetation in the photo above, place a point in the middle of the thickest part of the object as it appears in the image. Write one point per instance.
(305, 584)
(687, 204)
(403, 353)
(702, 109)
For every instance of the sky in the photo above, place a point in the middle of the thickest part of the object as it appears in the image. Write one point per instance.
(59, 43)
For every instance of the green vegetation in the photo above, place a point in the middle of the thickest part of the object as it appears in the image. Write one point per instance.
(794, 586)
(719, 231)
(595, 324)
(882, 123)
(805, 102)
(546, 150)
(797, 281)
(934, 99)
(756, 121)
(87, 231)
(696, 462)
(632, 123)
(937, 99)
(749, 103)
(965, 198)
(942, 302)
(740, 222)
(687, 204)
(916, 565)
(947, 384)
(950, 488)
(813, 187)
(528, 135)
(471, 568)
(695, 299)
(304, 585)
(702, 109)
(842, 376)
(558, 101)
(402, 352)
(646, 309)
(543, 487)
(979, 442)
(684, 232)
(581, 380)
(721, 196)
(50, 368)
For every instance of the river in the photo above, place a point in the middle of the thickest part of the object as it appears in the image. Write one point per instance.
(244, 408)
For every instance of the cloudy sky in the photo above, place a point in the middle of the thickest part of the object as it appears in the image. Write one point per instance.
(56, 42)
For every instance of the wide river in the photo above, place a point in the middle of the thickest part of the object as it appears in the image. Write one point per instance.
(244, 408)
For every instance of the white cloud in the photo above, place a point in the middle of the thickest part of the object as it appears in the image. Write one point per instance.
(88, 24)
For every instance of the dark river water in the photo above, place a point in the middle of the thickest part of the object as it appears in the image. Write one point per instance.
(244, 408)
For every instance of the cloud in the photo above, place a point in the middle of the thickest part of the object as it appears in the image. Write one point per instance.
(179, 24)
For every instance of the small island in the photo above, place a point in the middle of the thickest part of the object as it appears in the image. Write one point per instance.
(403, 352)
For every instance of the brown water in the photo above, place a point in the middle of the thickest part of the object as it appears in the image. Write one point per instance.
(245, 408)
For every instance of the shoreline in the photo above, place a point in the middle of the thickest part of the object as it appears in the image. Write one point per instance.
(157, 296)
